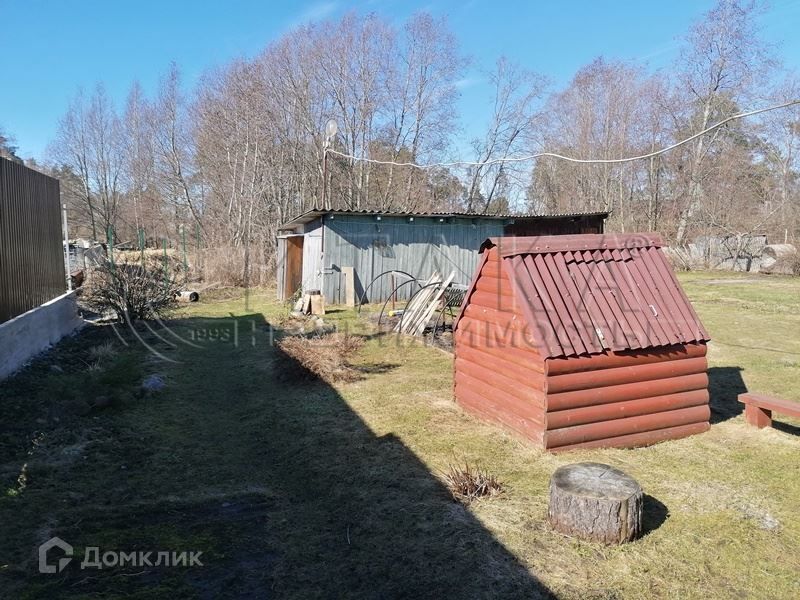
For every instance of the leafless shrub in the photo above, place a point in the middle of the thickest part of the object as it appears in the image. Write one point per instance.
(471, 482)
(102, 352)
(130, 291)
(326, 356)
(153, 260)
(224, 265)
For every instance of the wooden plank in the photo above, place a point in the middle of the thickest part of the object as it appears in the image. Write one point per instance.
(609, 360)
(786, 407)
(475, 277)
(505, 320)
(525, 391)
(433, 304)
(348, 274)
(506, 344)
(628, 408)
(626, 426)
(483, 408)
(523, 374)
(583, 380)
(757, 416)
(494, 301)
(493, 269)
(523, 408)
(494, 285)
(627, 391)
(415, 303)
(636, 440)
(410, 323)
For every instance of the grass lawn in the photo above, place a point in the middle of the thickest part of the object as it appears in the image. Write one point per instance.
(291, 487)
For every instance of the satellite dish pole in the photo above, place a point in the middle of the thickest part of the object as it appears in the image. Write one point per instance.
(330, 132)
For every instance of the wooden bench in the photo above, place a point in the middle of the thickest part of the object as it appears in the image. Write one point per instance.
(758, 408)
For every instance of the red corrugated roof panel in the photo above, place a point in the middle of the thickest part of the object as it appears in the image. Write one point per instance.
(584, 294)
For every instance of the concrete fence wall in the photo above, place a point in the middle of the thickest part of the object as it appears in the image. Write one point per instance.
(28, 334)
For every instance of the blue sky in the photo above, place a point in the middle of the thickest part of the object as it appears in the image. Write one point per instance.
(51, 48)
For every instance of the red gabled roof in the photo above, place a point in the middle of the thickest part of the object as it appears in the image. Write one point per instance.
(584, 294)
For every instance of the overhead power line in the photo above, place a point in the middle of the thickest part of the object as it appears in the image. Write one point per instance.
(606, 161)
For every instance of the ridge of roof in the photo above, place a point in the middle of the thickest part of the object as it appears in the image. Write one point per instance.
(544, 244)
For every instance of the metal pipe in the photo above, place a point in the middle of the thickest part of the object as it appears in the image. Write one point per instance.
(66, 246)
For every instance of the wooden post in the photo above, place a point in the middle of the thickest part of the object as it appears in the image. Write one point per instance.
(349, 286)
(755, 415)
(394, 290)
(595, 502)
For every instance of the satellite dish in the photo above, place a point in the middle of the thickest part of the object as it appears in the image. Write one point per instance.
(331, 128)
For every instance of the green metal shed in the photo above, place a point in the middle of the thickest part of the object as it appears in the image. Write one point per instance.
(315, 246)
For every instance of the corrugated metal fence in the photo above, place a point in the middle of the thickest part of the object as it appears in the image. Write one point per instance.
(31, 246)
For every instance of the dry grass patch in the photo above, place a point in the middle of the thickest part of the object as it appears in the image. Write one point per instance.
(327, 356)
(471, 482)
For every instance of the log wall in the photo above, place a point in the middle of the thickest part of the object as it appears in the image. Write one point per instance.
(499, 375)
(630, 398)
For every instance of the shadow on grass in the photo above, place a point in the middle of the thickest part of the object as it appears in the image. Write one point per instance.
(785, 427)
(281, 485)
(654, 514)
(724, 386)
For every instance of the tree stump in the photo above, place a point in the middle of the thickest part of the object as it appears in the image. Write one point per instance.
(595, 502)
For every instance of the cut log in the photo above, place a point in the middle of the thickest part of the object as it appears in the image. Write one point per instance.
(187, 296)
(595, 502)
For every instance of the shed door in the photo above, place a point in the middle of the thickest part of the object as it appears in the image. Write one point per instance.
(312, 262)
(294, 265)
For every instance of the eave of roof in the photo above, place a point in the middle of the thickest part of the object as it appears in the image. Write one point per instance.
(312, 214)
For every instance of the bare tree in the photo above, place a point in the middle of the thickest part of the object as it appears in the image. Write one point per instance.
(598, 115)
(513, 119)
(174, 148)
(140, 160)
(8, 148)
(782, 152)
(720, 66)
(242, 152)
(89, 144)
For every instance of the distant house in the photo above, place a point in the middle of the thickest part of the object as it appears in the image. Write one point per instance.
(315, 246)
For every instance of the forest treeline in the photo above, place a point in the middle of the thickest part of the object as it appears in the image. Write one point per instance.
(241, 152)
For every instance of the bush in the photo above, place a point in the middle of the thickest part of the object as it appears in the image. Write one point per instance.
(129, 291)
(469, 483)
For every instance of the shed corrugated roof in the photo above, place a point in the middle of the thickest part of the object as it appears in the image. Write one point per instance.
(584, 294)
(312, 214)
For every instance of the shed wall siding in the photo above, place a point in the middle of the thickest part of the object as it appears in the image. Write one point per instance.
(419, 248)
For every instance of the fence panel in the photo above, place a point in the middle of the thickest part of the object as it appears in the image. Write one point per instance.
(31, 242)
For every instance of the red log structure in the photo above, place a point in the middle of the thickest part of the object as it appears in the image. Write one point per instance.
(581, 341)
